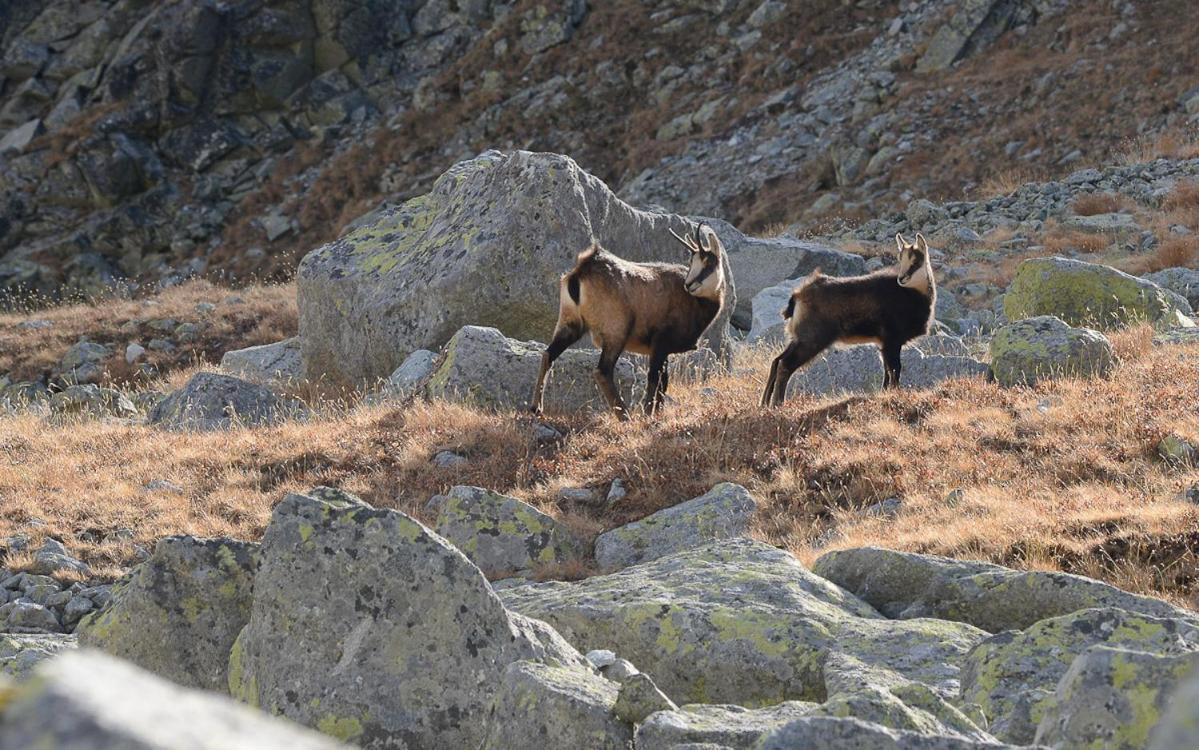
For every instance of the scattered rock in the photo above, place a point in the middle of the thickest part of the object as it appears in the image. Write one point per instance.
(502, 535)
(722, 513)
(216, 402)
(269, 363)
(88, 701)
(449, 460)
(373, 629)
(25, 616)
(412, 374)
(723, 725)
(554, 706)
(19, 654)
(828, 733)
(52, 559)
(1035, 349)
(1182, 281)
(639, 697)
(82, 362)
(906, 585)
(90, 401)
(483, 367)
(1087, 294)
(134, 352)
(178, 613)
(859, 369)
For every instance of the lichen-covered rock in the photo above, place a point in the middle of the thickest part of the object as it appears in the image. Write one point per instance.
(502, 535)
(738, 621)
(90, 401)
(639, 697)
(1012, 675)
(1044, 347)
(829, 733)
(25, 616)
(19, 654)
(408, 377)
(859, 369)
(903, 585)
(484, 368)
(1112, 698)
(1087, 294)
(268, 363)
(486, 246)
(87, 700)
(215, 402)
(551, 706)
(178, 613)
(52, 558)
(723, 512)
(370, 627)
(1179, 728)
(725, 725)
(1182, 281)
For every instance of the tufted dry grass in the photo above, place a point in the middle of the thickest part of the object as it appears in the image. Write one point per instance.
(1062, 476)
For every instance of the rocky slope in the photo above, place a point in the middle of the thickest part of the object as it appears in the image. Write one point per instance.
(151, 141)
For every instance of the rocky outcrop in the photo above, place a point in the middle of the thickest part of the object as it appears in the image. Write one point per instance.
(1182, 281)
(724, 512)
(20, 654)
(373, 629)
(1088, 294)
(540, 705)
(482, 367)
(90, 701)
(859, 369)
(1044, 347)
(90, 402)
(738, 621)
(975, 24)
(178, 613)
(502, 535)
(830, 733)
(720, 725)
(485, 246)
(218, 402)
(903, 585)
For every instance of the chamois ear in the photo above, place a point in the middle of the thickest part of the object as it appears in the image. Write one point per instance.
(900, 242)
(921, 245)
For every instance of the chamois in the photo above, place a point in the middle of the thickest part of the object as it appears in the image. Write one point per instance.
(889, 307)
(656, 309)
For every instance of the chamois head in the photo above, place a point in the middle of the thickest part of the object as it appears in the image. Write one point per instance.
(705, 272)
(915, 271)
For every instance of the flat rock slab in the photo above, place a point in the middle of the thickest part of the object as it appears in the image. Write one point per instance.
(216, 402)
(725, 725)
(277, 362)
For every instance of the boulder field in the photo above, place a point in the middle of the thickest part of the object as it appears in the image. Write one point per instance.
(359, 625)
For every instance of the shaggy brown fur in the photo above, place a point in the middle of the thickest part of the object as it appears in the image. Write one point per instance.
(889, 307)
(656, 309)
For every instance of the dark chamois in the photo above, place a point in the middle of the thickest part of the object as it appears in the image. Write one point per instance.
(889, 307)
(656, 309)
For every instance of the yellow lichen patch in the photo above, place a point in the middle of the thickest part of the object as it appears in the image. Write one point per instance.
(344, 728)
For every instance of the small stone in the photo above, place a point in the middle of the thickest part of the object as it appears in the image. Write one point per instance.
(601, 657)
(204, 307)
(23, 616)
(616, 492)
(544, 433)
(576, 496)
(619, 670)
(134, 352)
(52, 558)
(638, 698)
(888, 508)
(449, 460)
(162, 485)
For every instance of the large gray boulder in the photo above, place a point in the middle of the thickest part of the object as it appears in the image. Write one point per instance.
(90, 701)
(723, 512)
(482, 367)
(767, 324)
(486, 246)
(738, 621)
(829, 733)
(859, 369)
(724, 725)
(554, 706)
(1182, 281)
(1045, 347)
(372, 628)
(759, 263)
(502, 535)
(1112, 698)
(1012, 676)
(277, 362)
(903, 585)
(217, 402)
(1089, 294)
(178, 613)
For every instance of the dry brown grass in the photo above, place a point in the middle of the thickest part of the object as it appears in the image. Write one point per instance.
(1007, 181)
(1099, 203)
(1174, 143)
(1063, 476)
(1182, 205)
(264, 314)
(1058, 241)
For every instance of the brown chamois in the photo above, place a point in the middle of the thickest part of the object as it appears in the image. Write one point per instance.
(889, 307)
(656, 309)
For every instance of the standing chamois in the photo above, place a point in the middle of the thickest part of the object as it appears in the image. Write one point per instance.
(889, 307)
(656, 309)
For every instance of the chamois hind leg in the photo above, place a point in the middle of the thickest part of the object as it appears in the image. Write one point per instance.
(564, 337)
(655, 382)
(605, 379)
(892, 364)
(797, 354)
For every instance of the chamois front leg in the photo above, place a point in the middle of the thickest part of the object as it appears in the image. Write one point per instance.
(797, 354)
(655, 383)
(892, 364)
(768, 393)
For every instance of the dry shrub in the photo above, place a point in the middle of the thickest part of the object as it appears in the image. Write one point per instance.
(1173, 252)
(1059, 241)
(1182, 205)
(1098, 203)
(1008, 181)
(1174, 143)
